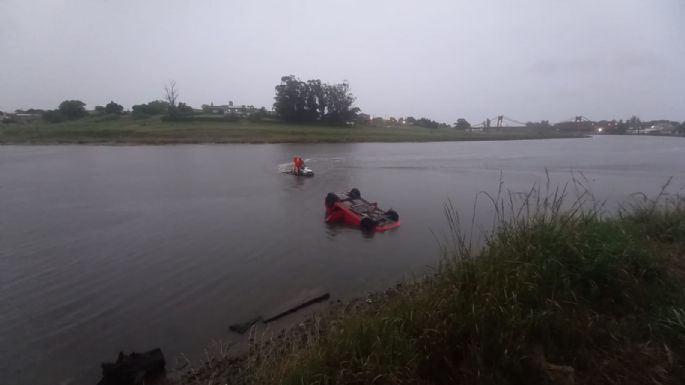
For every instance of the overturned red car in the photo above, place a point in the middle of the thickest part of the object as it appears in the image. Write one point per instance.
(352, 209)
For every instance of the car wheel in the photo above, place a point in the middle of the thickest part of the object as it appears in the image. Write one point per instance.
(367, 224)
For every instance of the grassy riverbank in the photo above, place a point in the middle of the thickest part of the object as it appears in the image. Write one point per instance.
(558, 295)
(153, 130)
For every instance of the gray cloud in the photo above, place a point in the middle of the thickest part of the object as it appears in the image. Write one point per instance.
(532, 59)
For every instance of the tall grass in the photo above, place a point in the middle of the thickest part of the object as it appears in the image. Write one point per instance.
(561, 292)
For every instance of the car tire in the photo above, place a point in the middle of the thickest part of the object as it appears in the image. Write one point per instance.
(367, 224)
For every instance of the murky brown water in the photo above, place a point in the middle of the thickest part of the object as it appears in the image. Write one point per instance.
(127, 248)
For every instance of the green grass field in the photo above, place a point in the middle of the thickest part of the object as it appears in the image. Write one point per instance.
(153, 130)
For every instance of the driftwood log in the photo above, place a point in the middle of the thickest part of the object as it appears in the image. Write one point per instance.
(304, 299)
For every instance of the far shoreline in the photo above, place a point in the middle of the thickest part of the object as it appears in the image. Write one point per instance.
(182, 143)
(157, 132)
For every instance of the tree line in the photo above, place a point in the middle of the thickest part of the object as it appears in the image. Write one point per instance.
(460, 124)
(295, 101)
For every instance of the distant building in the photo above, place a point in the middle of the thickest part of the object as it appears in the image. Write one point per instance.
(212, 109)
(19, 117)
(584, 126)
(363, 118)
(660, 127)
(229, 109)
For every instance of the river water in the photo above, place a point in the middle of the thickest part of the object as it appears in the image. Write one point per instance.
(109, 248)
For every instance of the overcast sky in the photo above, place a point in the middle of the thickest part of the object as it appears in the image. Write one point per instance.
(526, 59)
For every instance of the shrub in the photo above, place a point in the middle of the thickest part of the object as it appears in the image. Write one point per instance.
(53, 116)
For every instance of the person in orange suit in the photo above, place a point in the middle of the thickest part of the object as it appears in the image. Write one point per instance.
(298, 165)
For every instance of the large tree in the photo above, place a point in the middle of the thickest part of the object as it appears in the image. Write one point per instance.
(72, 109)
(114, 108)
(291, 99)
(314, 101)
(171, 95)
(462, 124)
(339, 101)
(317, 96)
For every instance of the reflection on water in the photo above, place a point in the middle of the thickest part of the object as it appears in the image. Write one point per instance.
(127, 248)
